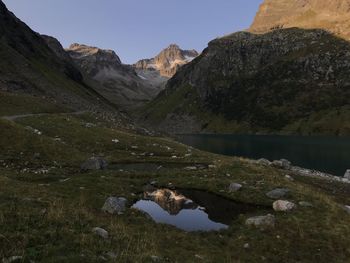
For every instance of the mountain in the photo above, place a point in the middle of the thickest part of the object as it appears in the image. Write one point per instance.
(30, 67)
(163, 66)
(284, 81)
(114, 80)
(332, 15)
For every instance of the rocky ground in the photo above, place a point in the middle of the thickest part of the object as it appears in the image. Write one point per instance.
(64, 199)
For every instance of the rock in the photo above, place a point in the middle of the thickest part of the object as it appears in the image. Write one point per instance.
(155, 258)
(114, 205)
(305, 204)
(347, 174)
(261, 221)
(278, 193)
(94, 163)
(234, 187)
(282, 164)
(347, 208)
(246, 246)
(12, 259)
(263, 162)
(283, 206)
(289, 178)
(100, 232)
(191, 168)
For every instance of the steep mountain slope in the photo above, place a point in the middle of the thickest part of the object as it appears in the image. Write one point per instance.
(162, 67)
(333, 15)
(114, 80)
(292, 81)
(29, 66)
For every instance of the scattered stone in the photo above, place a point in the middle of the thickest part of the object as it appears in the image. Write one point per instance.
(283, 206)
(234, 187)
(94, 163)
(12, 259)
(64, 180)
(111, 255)
(278, 193)
(211, 166)
(305, 204)
(282, 164)
(347, 208)
(347, 174)
(115, 140)
(263, 162)
(246, 246)
(155, 258)
(289, 178)
(114, 205)
(191, 168)
(261, 221)
(100, 232)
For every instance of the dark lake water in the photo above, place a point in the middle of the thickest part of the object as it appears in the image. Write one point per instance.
(192, 210)
(326, 154)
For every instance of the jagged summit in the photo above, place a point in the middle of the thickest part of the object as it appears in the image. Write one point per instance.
(168, 61)
(80, 51)
(332, 15)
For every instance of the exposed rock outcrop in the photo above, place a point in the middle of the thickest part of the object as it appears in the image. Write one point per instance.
(168, 61)
(332, 15)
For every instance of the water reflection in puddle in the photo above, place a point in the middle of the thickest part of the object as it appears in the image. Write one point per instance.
(191, 210)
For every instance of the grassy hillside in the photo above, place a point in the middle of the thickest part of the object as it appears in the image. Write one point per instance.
(48, 207)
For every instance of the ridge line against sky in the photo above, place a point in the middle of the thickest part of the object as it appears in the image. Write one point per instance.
(136, 29)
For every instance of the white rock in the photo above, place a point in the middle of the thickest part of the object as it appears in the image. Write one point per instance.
(347, 208)
(234, 187)
(261, 221)
(100, 232)
(289, 178)
(283, 206)
(347, 174)
(12, 259)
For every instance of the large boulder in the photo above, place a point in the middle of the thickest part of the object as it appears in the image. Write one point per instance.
(278, 193)
(283, 206)
(347, 174)
(115, 205)
(94, 163)
(261, 221)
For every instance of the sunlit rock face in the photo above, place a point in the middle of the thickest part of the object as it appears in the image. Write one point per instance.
(168, 61)
(333, 15)
(170, 201)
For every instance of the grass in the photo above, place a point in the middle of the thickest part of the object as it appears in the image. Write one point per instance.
(45, 219)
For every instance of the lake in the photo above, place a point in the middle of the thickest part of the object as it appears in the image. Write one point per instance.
(325, 154)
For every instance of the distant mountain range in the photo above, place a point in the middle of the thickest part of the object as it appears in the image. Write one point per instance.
(273, 79)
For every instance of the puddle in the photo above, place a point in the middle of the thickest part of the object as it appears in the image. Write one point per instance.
(151, 167)
(191, 210)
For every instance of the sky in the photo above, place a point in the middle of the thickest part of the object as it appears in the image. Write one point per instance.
(136, 29)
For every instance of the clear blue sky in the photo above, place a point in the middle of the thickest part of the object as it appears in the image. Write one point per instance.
(136, 29)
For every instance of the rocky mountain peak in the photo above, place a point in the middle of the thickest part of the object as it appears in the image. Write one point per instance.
(332, 15)
(168, 61)
(80, 51)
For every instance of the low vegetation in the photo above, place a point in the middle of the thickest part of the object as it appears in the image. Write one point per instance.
(48, 207)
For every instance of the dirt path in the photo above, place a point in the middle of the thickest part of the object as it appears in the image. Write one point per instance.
(14, 117)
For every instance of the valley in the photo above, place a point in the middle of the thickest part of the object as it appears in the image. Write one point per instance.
(181, 157)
